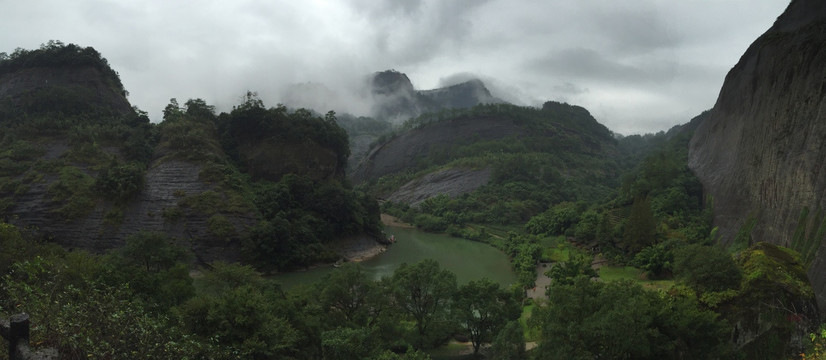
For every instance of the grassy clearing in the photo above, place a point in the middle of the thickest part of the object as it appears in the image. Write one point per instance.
(531, 334)
(615, 273)
(557, 249)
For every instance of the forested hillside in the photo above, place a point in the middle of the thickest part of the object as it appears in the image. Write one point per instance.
(259, 184)
(511, 161)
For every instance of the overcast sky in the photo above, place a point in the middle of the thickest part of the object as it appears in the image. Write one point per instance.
(639, 66)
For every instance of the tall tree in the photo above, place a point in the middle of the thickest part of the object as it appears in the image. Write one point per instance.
(350, 298)
(424, 291)
(483, 309)
(642, 227)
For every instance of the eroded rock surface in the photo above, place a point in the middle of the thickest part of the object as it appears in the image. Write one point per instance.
(451, 182)
(761, 152)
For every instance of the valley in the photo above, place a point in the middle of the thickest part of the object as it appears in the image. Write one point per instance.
(434, 217)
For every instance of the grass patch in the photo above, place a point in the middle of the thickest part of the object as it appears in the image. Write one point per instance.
(557, 249)
(615, 273)
(531, 334)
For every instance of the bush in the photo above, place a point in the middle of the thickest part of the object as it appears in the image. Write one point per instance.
(120, 182)
(430, 223)
(707, 268)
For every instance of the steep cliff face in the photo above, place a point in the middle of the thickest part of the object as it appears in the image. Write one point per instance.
(461, 96)
(760, 152)
(18, 86)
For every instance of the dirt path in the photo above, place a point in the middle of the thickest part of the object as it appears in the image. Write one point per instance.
(542, 282)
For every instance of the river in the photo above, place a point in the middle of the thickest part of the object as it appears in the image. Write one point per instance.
(469, 260)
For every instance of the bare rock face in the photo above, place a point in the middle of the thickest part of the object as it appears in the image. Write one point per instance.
(451, 182)
(761, 152)
(15, 85)
(160, 207)
(460, 96)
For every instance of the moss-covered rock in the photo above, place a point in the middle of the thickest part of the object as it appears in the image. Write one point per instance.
(775, 308)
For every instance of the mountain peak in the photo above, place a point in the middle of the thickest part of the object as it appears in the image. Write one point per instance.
(390, 81)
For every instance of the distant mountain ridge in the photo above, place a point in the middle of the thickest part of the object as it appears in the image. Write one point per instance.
(396, 99)
(390, 95)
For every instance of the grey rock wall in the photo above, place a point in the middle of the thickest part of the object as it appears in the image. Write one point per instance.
(762, 151)
(450, 182)
(87, 78)
(167, 183)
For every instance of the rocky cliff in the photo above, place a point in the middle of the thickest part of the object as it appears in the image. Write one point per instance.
(85, 170)
(17, 87)
(395, 98)
(760, 152)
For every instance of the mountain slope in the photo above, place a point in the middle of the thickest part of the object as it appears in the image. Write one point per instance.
(503, 163)
(82, 168)
(760, 153)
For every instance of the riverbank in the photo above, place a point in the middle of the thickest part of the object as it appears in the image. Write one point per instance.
(358, 248)
(361, 248)
(389, 220)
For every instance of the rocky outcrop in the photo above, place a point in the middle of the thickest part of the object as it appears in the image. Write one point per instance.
(157, 208)
(460, 96)
(395, 98)
(161, 207)
(760, 152)
(450, 182)
(101, 90)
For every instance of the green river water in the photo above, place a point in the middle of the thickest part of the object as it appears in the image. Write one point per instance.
(469, 260)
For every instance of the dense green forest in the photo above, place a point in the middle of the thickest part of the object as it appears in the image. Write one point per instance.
(636, 268)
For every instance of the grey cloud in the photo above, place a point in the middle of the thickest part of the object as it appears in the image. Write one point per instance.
(587, 63)
(635, 64)
(635, 27)
(569, 89)
(414, 33)
(457, 78)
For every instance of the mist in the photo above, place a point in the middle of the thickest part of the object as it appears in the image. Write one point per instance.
(638, 66)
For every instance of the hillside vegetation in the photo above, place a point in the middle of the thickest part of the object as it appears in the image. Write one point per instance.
(265, 184)
(535, 157)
